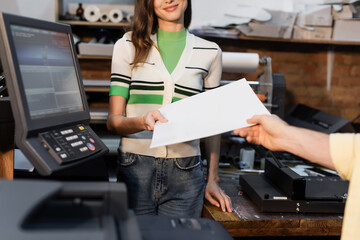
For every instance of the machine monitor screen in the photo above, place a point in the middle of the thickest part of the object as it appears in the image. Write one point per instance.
(47, 71)
(46, 93)
(43, 71)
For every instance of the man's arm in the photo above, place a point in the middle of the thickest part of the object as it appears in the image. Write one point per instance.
(275, 134)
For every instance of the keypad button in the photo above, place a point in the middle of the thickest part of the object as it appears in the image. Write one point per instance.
(72, 137)
(83, 149)
(74, 144)
(90, 146)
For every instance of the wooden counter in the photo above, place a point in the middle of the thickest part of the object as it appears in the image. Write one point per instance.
(248, 221)
(7, 129)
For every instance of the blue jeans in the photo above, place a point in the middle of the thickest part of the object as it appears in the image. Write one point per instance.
(163, 186)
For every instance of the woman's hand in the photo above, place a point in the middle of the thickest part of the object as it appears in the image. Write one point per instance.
(216, 196)
(150, 118)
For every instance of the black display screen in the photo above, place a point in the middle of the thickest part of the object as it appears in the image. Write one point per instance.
(48, 71)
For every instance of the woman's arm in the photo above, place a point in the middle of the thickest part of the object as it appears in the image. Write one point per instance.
(213, 193)
(119, 124)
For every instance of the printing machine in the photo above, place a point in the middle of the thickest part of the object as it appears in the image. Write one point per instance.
(281, 189)
(43, 210)
(271, 86)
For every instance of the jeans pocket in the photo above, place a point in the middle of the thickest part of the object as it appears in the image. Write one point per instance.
(187, 163)
(127, 159)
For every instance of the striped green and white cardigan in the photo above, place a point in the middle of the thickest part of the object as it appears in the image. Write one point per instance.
(150, 86)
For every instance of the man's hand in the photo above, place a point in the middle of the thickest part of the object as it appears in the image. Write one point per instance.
(276, 135)
(268, 131)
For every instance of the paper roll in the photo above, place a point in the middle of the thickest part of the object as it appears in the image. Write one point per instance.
(129, 17)
(116, 15)
(104, 17)
(240, 62)
(92, 13)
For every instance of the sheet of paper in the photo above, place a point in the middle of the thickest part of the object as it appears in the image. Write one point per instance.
(210, 113)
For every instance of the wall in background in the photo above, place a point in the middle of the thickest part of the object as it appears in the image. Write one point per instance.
(99, 1)
(42, 9)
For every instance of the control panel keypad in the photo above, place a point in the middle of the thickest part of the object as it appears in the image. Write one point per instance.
(70, 144)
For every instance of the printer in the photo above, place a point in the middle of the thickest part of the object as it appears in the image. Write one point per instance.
(43, 210)
(282, 189)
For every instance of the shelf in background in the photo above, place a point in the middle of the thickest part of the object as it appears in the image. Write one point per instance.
(96, 24)
(202, 33)
(93, 57)
(293, 40)
(96, 85)
(98, 115)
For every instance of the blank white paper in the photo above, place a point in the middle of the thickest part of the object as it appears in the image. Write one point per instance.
(210, 113)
